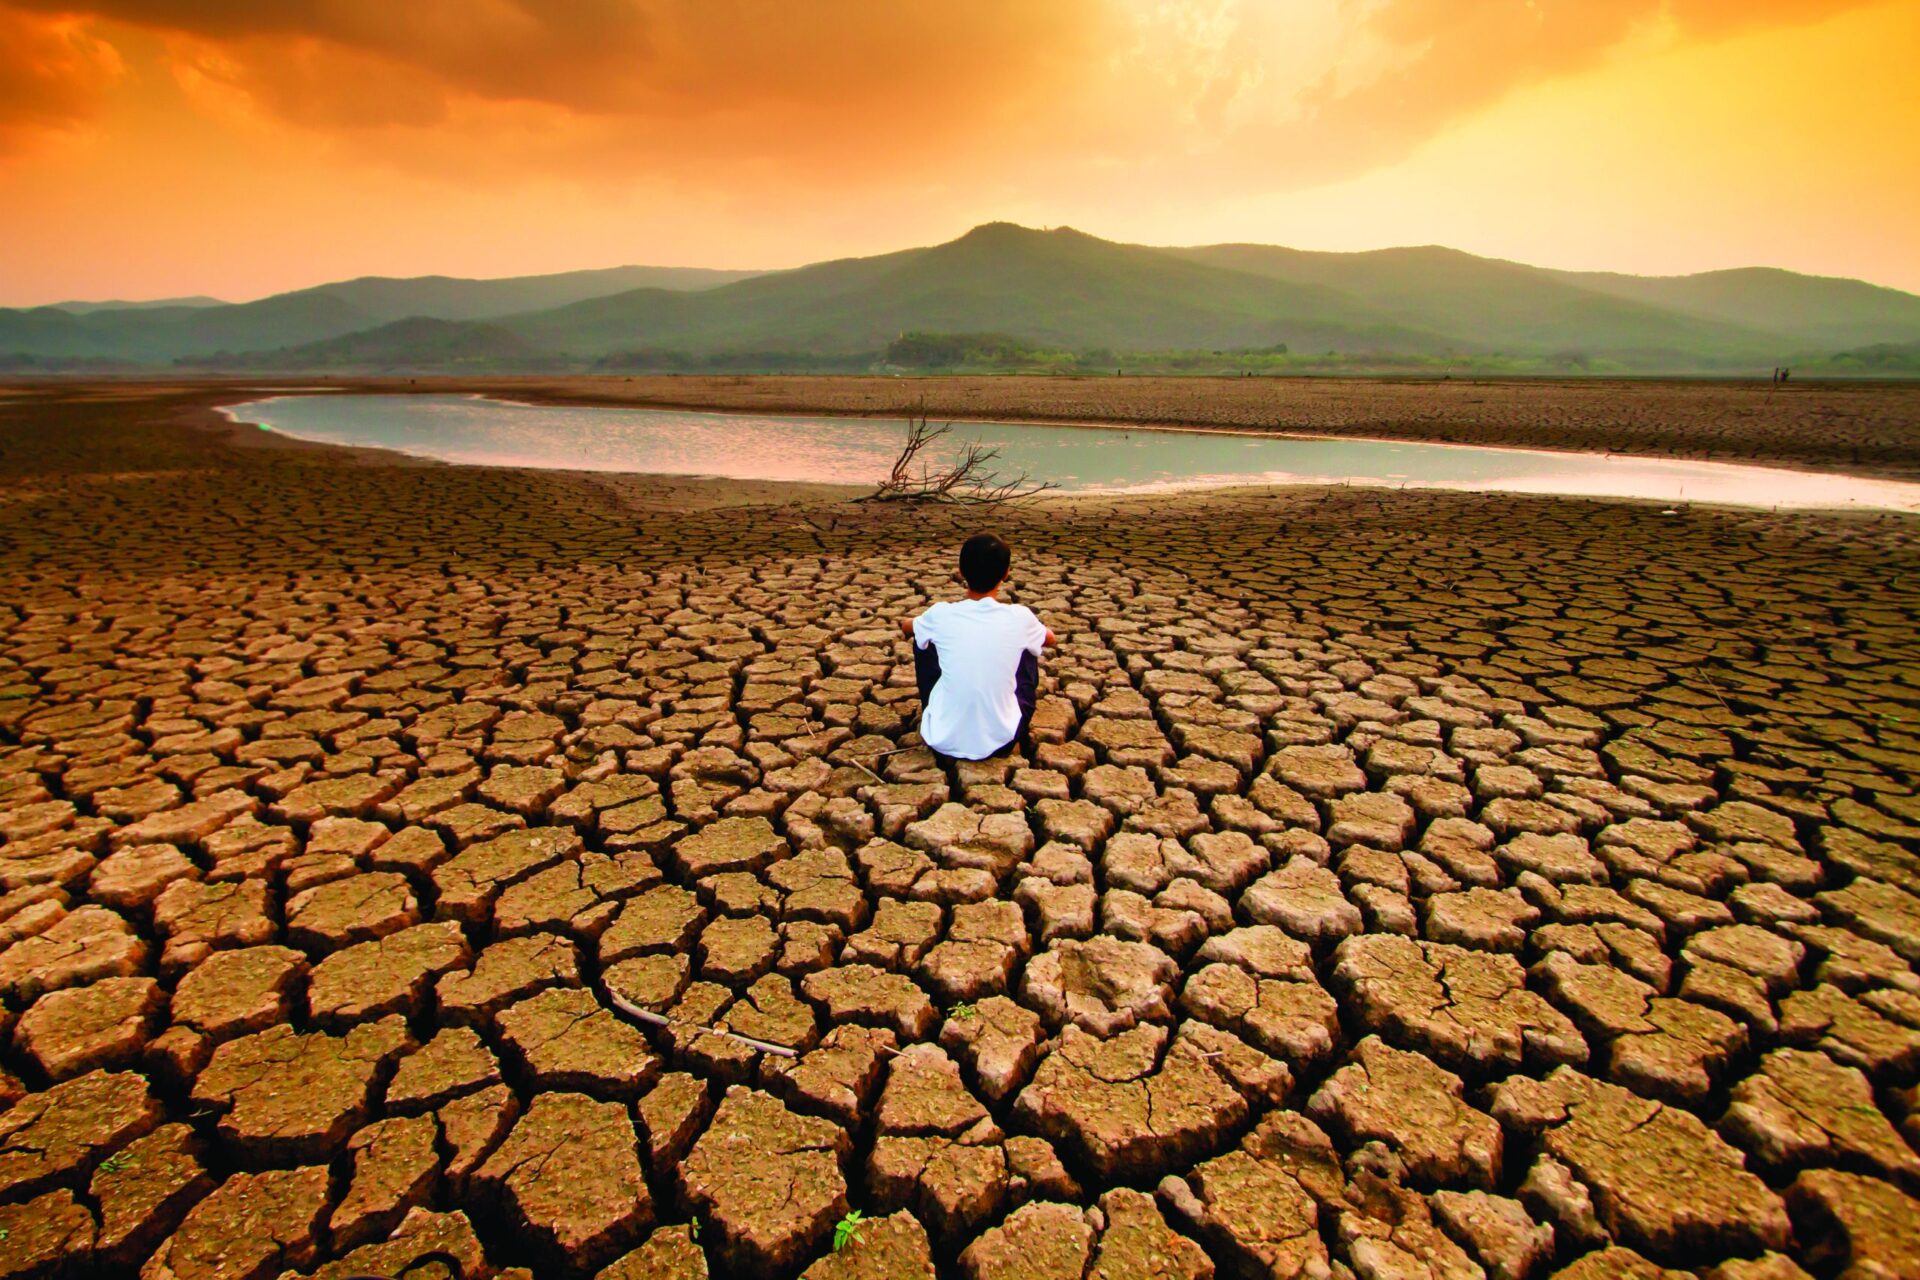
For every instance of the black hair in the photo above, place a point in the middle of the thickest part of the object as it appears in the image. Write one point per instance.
(983, 561)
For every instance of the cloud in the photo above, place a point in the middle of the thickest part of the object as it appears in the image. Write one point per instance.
(52, 75)
(641, 59)
(1440, 60)
(1141, 98)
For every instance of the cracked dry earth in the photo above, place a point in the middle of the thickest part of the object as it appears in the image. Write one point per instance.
(1401, 885)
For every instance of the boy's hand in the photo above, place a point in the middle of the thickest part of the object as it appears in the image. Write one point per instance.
(906, 628)
(1051, 638)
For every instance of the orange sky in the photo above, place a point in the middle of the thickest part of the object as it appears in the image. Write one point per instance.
(240, 147)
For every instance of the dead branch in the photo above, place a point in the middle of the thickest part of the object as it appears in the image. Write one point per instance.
(967, 480)
(660, 1020)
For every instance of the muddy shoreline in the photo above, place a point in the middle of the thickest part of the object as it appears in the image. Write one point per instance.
(1866, 429)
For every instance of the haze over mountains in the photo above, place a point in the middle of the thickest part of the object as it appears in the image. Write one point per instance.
(1051, 295)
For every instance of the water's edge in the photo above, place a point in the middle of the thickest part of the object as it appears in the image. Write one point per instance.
(847, 441)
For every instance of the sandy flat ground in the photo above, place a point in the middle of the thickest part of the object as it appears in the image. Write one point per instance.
(1472, 879)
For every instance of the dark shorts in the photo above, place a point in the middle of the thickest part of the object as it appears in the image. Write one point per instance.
(1026, 683)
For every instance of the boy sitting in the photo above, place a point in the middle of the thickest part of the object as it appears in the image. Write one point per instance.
(977, 661)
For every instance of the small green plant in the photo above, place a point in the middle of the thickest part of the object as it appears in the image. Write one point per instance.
(964, 1010)
(115, 1162)
(847, 1230)
(693, 1230)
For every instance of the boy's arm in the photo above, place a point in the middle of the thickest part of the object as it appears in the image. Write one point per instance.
(906, 627)
(1046, 633)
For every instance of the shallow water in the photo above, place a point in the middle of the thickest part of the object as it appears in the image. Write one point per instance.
(473, 429)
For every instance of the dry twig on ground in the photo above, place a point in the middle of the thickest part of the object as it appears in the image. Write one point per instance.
(970, 479)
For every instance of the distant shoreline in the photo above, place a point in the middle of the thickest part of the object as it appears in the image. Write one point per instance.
(1856, 429)
(1862, 429)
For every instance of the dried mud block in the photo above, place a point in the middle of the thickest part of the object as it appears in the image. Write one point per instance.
(959, 838)
(565, 1039)
(767, 1182)
(580, 896)
(1855, 1225)
(396, 1165)
(507, 971)
(895, 1245)
(861, 993)
(467, 885)
(69, 1129)
(1294, 1020)
(1304, 899)
(233, 992)
(85, 945)
(79, 1029)
(1849, 1031)
(48, 1235)
(453, 1063)
(423, 1243)
(730, 844)
(1416, 1108)
(839, 1077)
(998, 1040)
(196, 918)
(1136, 1105)
(358, 908)
(1469, 1010)
(1039, 1241)
(250, 1227)
(131, 879)
(670, 1253)
(1661, 1181)
(1497, 1231)
(286, 1097)
(393, 975)
(1387, 1229)
(1101, 985)
(1616, 1263)
(1803, 1109)
(1258, 1208)
(568, 1182)
(671, 1116)
(144, 1190)
(666, 918)
(1137, 1241)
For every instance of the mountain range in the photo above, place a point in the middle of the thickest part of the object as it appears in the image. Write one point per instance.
(1050, 293)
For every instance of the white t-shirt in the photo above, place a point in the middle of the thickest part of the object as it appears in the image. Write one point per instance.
(972, 712)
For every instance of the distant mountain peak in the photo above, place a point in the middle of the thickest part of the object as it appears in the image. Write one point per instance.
(1011, 232)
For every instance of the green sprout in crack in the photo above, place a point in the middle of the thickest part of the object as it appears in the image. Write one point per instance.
(115, 1162)
(693, 1230)
(964, 1010)
(847, 1230)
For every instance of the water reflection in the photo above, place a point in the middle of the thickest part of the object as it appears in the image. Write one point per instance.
(472, 429)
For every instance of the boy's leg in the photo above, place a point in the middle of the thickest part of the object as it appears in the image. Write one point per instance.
(926, 674)
(926, 671)
(1026, 689)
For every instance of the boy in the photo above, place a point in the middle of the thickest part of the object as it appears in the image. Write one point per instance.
(977, 661)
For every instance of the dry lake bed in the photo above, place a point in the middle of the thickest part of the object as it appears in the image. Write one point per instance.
(469, 871)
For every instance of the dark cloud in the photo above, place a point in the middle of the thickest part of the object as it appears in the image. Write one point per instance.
(51, 74)
(642, 58)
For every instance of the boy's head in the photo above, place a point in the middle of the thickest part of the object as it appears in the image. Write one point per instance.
(983, 562)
